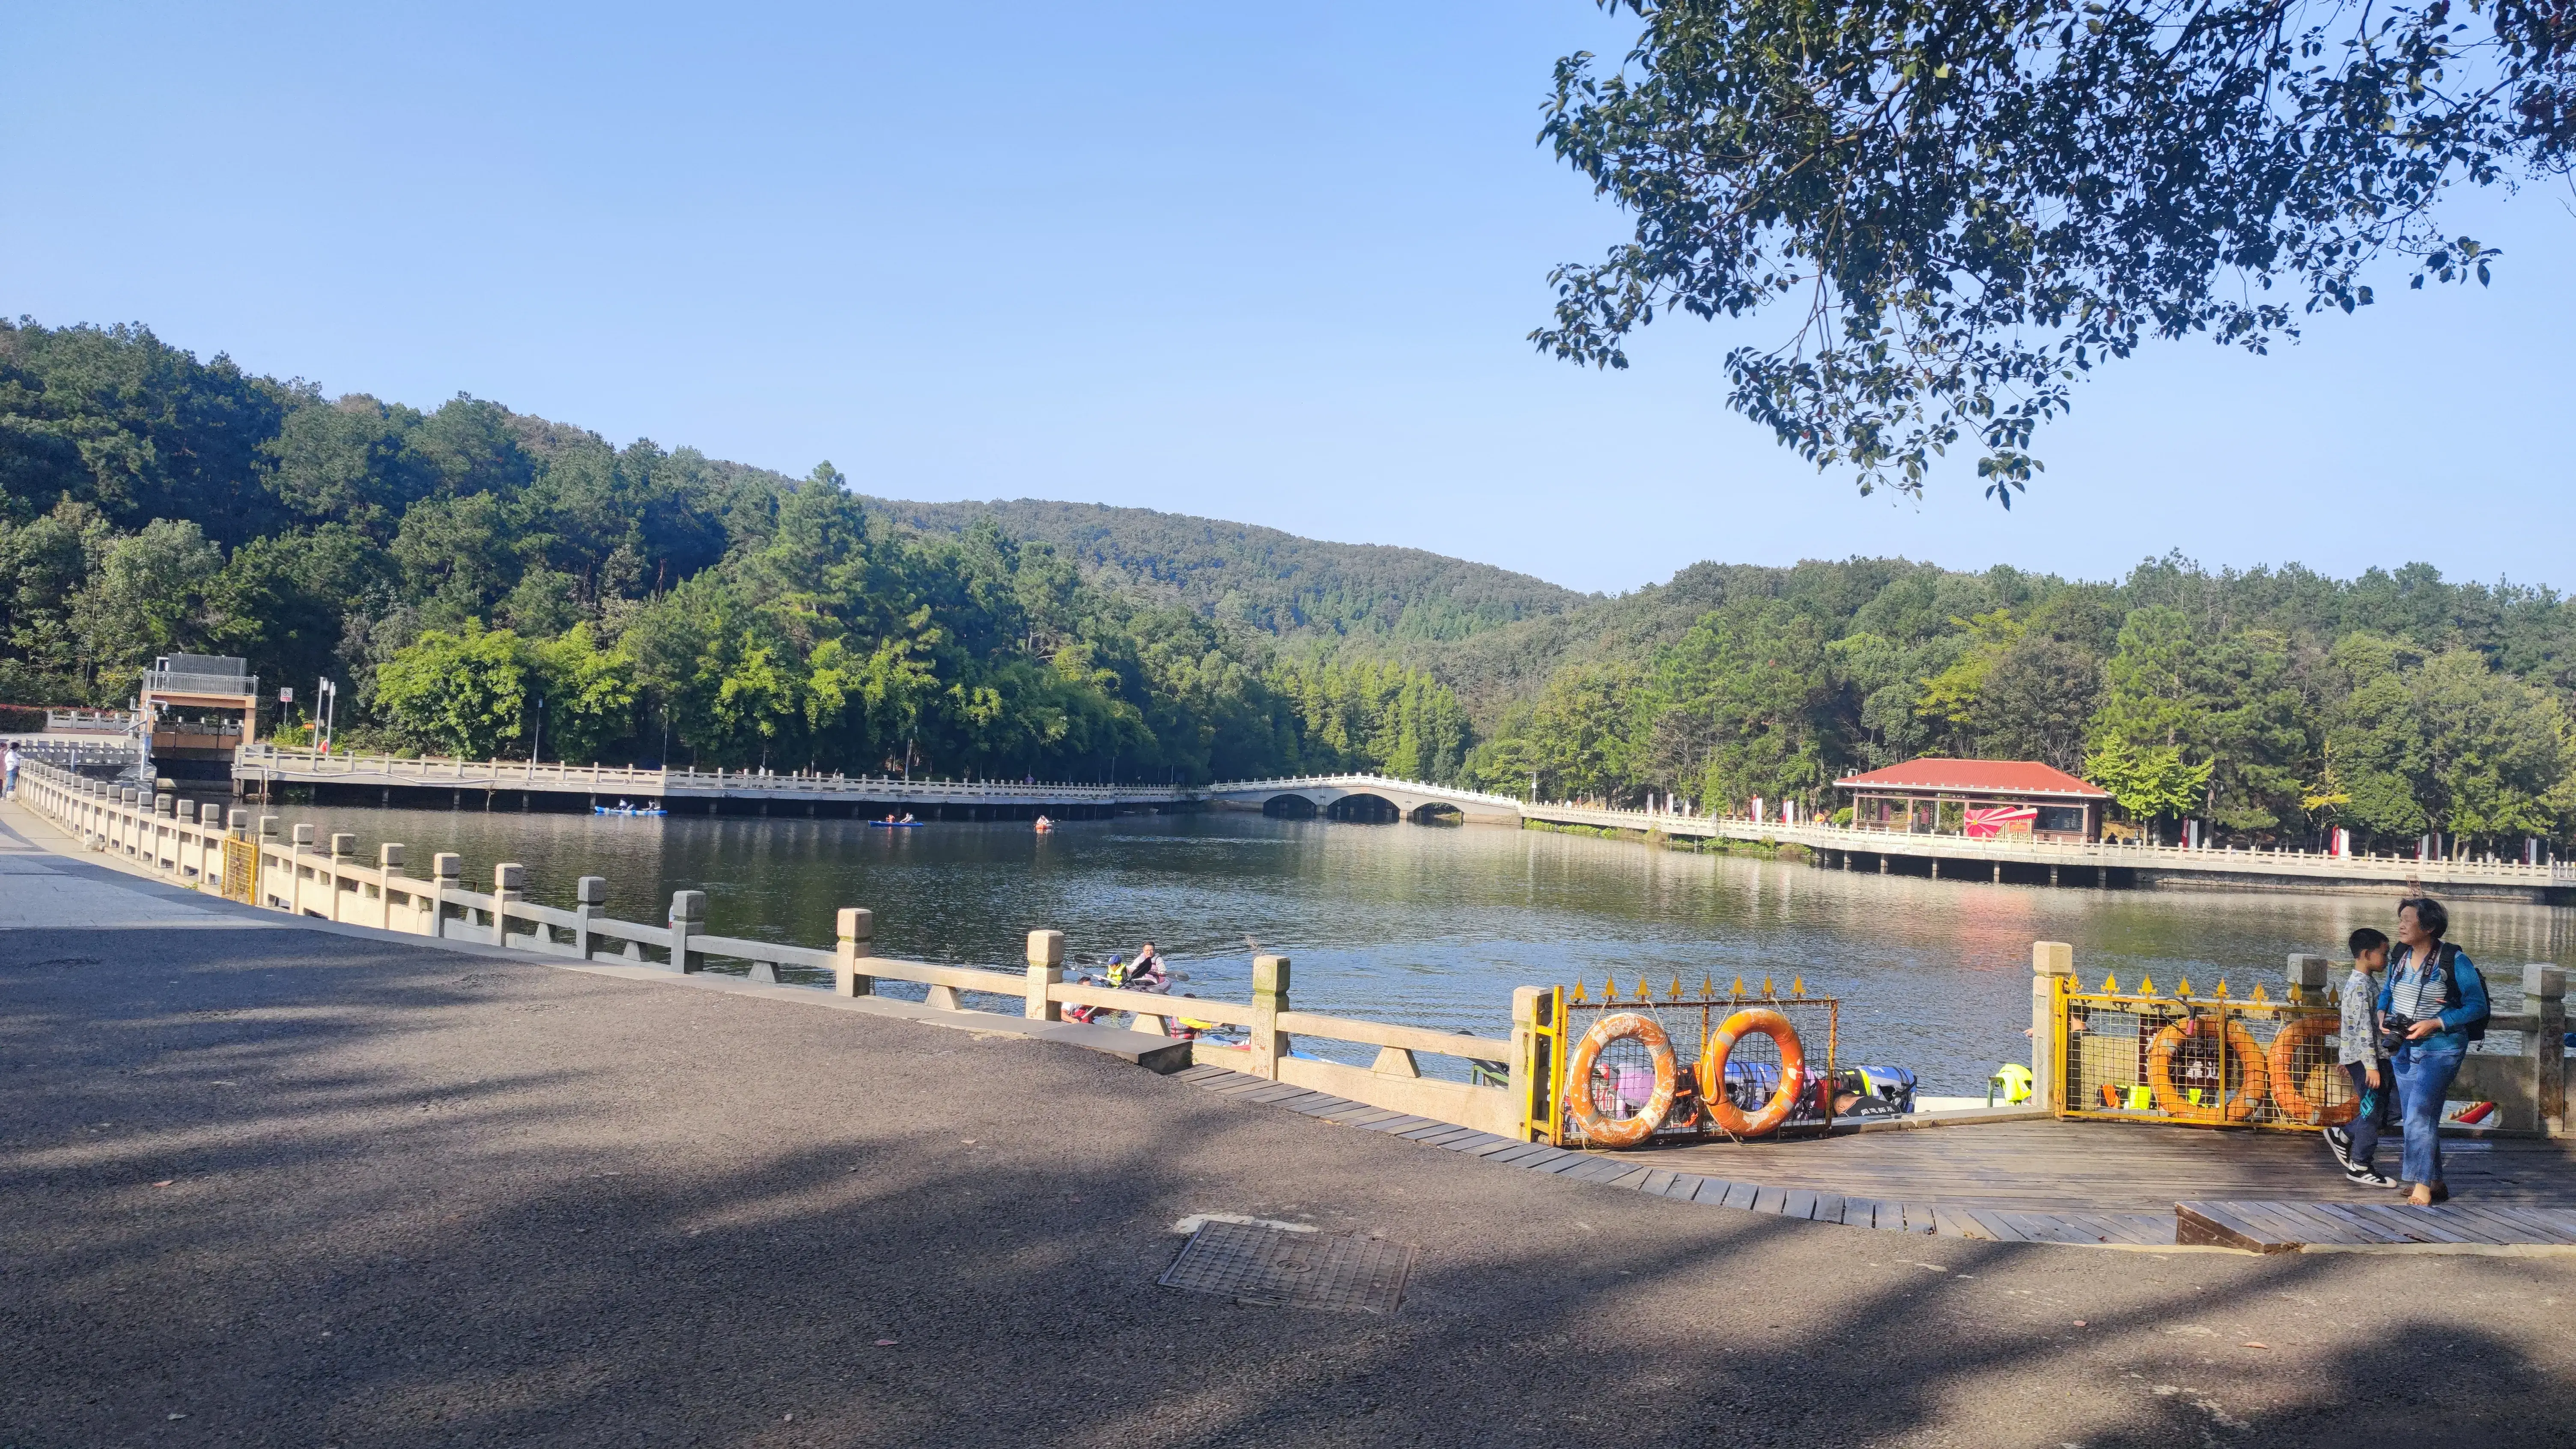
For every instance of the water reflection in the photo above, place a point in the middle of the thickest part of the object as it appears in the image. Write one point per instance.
(1435, 926)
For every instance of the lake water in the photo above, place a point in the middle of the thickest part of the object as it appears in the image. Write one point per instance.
(1434, 926)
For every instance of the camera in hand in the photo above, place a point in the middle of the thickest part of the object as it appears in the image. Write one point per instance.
(2392, 1034)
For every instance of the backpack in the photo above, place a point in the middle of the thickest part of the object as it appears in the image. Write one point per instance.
(2448, 963)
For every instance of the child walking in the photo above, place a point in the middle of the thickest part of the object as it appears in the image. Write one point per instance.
(2374, 1077)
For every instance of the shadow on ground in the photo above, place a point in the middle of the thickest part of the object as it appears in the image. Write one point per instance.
(417, 1198)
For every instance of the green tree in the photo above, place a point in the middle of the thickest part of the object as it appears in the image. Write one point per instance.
(2445, 743)
(1968, 206)
(147, 595)
(2149, 783)
(1755, 678)
(589, 694)
(463, 693)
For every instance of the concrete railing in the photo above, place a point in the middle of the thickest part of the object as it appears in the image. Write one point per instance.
(300, 766)
(73, 753)
(293, 765)
(303, 873)
(2116, 855)
(1360, 781)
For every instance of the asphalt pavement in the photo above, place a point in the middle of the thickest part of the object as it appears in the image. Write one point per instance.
(269, 1185)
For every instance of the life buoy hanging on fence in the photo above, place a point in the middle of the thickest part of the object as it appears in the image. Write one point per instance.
(1601, 1131)
(2283, 1059)
(1734, 1120)
(2241, 1049)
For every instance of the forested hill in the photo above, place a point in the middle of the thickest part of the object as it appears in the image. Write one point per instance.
(472, 573)
(1284, 585)
(477, 576)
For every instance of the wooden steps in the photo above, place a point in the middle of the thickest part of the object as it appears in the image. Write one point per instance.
(2090, 1184)
(2292, 1227)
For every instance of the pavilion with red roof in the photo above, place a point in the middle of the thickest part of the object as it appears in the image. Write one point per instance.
(1980, 799)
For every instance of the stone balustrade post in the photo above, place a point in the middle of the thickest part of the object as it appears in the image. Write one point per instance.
(1046, 968)
(237, 822)
(688, 918)
(507, 881)
(1269, 998)
(389, 868)
(2544, 995)
(589, 903)
(165, 805)
(1527, 1003)
(2052, 974)
(344, 854)
(446, 873)
(299, 847)
(857, 928)
(2308, 977)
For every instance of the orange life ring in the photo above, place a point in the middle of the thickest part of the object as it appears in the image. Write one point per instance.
(1600, 1131)
(1734, 1120)
(2286, 1095)
(2241, 1048)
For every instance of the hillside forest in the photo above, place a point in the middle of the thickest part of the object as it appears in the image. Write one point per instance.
(485, 583)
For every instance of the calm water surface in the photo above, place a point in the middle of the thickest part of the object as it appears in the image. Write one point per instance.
(1435, 926)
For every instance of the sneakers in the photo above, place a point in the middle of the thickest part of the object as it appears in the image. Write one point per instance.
(2339, 1142)
(2360, 1175)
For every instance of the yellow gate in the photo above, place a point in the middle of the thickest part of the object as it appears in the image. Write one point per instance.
(2201, 1061)
(241, 871)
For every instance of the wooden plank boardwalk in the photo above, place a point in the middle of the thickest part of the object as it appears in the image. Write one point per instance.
(2086, 1183)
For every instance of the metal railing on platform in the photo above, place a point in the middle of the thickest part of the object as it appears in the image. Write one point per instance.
(2220, 1059)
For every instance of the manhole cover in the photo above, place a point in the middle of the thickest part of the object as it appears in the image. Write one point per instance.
(1255, 1264)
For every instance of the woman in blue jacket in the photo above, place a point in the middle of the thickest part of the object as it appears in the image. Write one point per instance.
(2433, 1001)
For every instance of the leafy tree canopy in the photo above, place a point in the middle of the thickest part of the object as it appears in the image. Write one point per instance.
(1965, 205)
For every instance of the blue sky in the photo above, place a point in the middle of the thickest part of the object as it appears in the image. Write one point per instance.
(1274, 264)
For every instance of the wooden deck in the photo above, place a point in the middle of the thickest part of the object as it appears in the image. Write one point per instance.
(2087, 1183)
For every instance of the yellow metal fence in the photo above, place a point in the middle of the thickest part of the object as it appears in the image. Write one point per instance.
(1619, 1080)
(2214, 1060)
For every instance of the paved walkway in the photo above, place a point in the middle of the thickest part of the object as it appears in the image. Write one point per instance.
(280, 1185)
(41, 888)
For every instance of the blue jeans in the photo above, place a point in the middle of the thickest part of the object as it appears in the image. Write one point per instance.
(2377, 1109)
(2423, 1084)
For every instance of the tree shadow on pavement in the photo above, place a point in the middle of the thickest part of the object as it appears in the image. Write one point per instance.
(446, 1200)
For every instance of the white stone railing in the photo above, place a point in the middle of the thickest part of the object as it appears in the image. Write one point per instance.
(2114, 854)
(300, 874)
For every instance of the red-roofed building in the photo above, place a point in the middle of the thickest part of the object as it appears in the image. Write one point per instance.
(1980, 799)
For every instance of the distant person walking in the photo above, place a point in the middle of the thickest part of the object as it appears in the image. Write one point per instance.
(2433, 1004)
(9, 773)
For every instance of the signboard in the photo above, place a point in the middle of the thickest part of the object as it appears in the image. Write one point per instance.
(286, 696)
(1985, 822)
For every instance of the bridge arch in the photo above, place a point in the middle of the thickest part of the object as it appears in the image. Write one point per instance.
(1436, 812)
(1363, 807)
(1291, 806)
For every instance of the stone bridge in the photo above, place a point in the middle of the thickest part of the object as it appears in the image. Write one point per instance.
(1362, 797)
